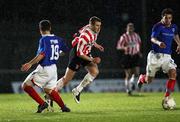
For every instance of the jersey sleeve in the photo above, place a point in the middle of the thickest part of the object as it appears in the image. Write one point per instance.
(120, 43)
(176, 30)
(41, 48)
(139, 39)
(155, 31)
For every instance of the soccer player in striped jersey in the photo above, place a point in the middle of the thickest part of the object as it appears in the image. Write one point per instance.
(130, 44)
(163, 34)
(45, 75)
(80, 56)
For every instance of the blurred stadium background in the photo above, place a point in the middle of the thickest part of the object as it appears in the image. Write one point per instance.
(19, 34)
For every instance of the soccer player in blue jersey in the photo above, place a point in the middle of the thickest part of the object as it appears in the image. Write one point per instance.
(163, 33)
(45, 75)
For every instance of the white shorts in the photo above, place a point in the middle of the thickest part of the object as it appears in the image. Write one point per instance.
(157, 61)
(43, 76)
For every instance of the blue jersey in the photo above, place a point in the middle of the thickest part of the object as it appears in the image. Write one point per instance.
(50, 46)
(163, 34)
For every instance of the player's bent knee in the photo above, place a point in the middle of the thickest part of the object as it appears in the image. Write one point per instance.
(149, 79)
(94, 72)
(66, 80)
(172, 74)
(47, 91)
(24, 85)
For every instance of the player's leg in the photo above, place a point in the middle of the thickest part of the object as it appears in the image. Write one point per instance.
(32, 93)
(28, 88)
(169, 67)
(127, 81)
(152, 67)
(134, 74)
(73, 67)
(57, 98)
(50, 86)
(145, 78)
(133, 63)
(171, 82)
(66, 78)
(93, 71)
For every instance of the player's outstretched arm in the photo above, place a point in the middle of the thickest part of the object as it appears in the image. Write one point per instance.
(100, 47)
(160, 44)
(176, 38)
(25, 67)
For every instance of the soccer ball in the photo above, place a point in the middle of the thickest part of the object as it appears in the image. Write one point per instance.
(168, 104)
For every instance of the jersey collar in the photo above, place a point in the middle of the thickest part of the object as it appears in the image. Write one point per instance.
(47, 35)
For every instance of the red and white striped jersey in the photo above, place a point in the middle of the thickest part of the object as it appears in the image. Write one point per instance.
(76, 35)
(131, 41)
(85, 41)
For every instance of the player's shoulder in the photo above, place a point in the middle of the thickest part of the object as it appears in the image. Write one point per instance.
(58, 37)
(88, 31)
(173, 25)
(124, 35)
(136, 34)
(157, 25)
(48, 38)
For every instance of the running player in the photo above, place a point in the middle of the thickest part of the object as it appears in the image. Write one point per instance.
(159, 57)
(45, 75)
(130, 44)
(80, 56)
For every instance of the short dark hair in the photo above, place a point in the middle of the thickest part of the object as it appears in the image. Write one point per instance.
(45, 25)
(166, 11)
(94, 19)
(130, 24)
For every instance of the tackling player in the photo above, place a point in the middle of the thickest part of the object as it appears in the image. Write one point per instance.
(80, 56)
(45, 75)
(159, 57)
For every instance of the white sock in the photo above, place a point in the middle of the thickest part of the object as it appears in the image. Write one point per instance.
(132, 79)
(127, 84)
(87, 80)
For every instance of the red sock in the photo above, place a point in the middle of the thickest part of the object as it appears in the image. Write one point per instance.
(169, 87)
(56, 97)
(32, 93)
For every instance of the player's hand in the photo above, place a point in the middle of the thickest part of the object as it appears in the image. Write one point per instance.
(162, 45)
(96, 60)
(101, 48)
(178, 49)
(125, 49)
(25, 67)
(61, 53)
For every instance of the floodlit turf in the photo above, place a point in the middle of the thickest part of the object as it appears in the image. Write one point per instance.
(94, 107)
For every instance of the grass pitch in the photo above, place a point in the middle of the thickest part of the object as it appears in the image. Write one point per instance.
(94, 107)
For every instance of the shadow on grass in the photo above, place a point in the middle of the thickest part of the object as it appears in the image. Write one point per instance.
(137, 95)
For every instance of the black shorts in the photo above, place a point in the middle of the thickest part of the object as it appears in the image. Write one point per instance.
(75, 63)
(130, 61)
